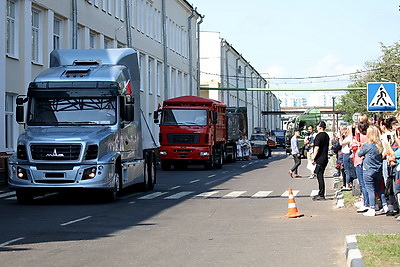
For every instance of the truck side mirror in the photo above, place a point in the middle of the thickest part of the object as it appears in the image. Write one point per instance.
(127, 111)
(215, 117)
(20, 111)
(155, 116)
(20, 114)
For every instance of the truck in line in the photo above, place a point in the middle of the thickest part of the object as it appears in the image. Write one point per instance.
(84, 128)
(197, 130)
(301, 122)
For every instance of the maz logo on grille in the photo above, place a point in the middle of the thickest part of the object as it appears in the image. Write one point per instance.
(55, 154)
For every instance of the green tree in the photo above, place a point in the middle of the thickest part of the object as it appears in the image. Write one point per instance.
(385, 68)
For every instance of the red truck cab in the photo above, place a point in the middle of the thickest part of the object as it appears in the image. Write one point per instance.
(192, 131)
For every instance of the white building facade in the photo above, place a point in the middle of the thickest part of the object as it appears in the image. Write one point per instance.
(225, 68)
(162, 31)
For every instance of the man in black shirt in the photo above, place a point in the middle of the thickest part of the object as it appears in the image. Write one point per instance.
(321, 147)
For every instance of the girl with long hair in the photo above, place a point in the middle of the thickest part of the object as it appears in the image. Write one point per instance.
(371, 152)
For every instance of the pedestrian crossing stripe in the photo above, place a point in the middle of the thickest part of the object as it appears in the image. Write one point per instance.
(203, 195)
(382, 97)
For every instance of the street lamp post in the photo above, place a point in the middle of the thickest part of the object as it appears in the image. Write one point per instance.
(333, 114)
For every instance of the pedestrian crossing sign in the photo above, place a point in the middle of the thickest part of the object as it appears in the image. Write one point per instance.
(382, 96)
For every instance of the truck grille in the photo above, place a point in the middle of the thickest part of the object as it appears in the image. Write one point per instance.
(183, 138)
(55, 152)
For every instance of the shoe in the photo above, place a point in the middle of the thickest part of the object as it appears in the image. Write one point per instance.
(290, 173)
(391, 213)
(369, 213)
(384, 209)
(312, 176)
(346, 189)
(362, 209)
(297, 176)
(317, 198)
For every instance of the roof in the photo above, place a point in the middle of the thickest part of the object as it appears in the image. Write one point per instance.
(192, 101)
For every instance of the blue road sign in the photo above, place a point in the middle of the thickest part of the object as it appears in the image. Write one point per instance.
(382, 96)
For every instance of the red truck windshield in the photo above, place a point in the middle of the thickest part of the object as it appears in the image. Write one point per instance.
(187, 117)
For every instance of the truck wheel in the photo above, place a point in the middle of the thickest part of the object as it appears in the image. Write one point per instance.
(165, 165)
(210, 165)
(112, 195)
(220, 159)
(24, 197)
(149, 171)
(266, 152)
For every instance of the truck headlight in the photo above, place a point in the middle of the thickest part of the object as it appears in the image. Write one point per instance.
(89, 173)
(163, 153)
(21, 173)
(204, 153)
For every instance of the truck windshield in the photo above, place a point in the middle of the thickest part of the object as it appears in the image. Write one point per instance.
(72, 111)
(184, 117)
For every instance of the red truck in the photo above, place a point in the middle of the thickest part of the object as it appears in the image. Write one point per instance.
(192, 131)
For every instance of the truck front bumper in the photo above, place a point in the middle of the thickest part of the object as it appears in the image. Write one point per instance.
(54, 177)
(192, 153)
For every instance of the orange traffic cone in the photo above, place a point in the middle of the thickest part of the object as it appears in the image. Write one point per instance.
(292, 209)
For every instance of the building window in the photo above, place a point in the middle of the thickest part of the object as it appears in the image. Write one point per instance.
(107, 43)
(9, 121)
(11, 28)
(159, 77)
(93, 40)
(150, 67)
(57, 33)
(142, 71)
(36, 36)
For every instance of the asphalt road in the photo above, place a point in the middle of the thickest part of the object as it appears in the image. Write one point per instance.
(232, 216)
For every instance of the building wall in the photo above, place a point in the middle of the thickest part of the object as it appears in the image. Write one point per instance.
(38, 27)
(224, 67)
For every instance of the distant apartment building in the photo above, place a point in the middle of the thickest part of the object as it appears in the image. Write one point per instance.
(223, 67)
(163, 32)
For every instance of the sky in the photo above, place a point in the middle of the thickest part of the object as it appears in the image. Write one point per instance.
(292, 38)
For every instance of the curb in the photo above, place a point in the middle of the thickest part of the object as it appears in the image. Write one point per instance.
(353, 254)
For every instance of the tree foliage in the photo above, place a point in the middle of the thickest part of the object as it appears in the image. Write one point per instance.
(385, 69)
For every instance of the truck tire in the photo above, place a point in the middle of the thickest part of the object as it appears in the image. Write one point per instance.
(149, 171)
(220, 159)
(166, 166)
(266, 152)
(112, 195)
(24, 197)
(210, 164)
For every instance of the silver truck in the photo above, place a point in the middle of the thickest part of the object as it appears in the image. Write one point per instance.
(84, 129)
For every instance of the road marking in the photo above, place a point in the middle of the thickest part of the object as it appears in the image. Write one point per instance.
(179, 195)
(234, 194)
(194, 181)
(75, 221)
(11, 241)
(175, 187)
(8, 194)
(206, 194)
(261, 194)
(153, 195)
(211, 175)
(286, 194)
(223, 172)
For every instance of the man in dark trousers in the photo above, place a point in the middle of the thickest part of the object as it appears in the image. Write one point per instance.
(320, 158)
(294, 145)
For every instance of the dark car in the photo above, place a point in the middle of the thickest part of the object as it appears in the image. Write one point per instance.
(280, 137)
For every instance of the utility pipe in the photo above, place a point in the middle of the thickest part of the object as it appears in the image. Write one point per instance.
(128, 9)
(165, 49)
(198, 53)
(74, 24)
(190, 51)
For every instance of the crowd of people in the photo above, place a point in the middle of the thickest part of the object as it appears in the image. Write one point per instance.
(368, 151)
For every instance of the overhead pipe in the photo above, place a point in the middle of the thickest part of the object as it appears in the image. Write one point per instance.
(165, 49)
(190, 51)
(198, 53)
(74, 24)
(128, 26)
